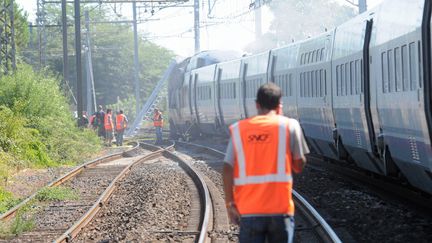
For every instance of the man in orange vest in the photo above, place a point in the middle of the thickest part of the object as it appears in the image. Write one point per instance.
(121, 124)
(261, 155)
(108, 126)
(158, 123)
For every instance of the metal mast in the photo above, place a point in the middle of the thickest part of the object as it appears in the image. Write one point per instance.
(41, 22)
(7, 37)
(78, 60)
(196, 26)
(136, 59)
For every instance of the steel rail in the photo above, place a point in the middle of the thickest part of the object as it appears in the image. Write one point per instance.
(324, 230)
(392, 187)
(66, 177)
(206, 203)
(75, 229)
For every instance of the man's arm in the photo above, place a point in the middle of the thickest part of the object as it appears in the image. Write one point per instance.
(228, 180)
(299, 147)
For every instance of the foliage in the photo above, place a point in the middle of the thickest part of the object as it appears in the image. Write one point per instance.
(295, 20)
(7, 201)
(37, 128)
(22, 222)
(57, 193)
(112, 56)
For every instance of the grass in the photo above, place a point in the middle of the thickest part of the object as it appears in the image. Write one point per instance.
(58, 193)
(23, 221)
(7, 200)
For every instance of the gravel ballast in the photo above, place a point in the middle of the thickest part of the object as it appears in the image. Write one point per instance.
(151, 204)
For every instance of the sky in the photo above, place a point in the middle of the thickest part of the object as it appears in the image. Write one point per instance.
(173, 27)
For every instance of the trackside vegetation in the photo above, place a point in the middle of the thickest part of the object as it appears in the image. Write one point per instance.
(37, 129)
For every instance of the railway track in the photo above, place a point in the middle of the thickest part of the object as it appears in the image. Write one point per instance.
(310, 226)
(385, 186)
(93, 182)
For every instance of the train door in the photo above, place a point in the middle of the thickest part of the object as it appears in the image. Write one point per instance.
(366, 100)
(219, 112)
(191, 96)
(195, 104)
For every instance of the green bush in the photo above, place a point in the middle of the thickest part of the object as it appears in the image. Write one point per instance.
(37, 128)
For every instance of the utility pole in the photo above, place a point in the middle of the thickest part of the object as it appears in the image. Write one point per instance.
(41, 21)
(78, 60)
(136, 60)
(196, 26)
(362, 6)
(65, 42)
(91, 96)
(7, 37)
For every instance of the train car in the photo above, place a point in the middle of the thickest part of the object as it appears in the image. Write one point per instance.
(314, 102)
(253, 75)
(361, 92)
(203, 83)
(228, 102)
(400, 98)
(283, 63)
(355, 132)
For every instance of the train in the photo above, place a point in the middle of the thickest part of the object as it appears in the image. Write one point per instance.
(362, 91)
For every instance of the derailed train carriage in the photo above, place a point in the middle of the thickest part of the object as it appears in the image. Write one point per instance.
(361, 91)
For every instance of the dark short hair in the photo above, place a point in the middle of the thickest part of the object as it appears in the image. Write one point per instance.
(268, 96)
(121, 111)
(109, 110)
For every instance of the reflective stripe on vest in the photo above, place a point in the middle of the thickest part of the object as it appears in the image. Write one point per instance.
(280, 176)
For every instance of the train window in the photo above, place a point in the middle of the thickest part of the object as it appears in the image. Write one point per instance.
(384, 70)
(413, 65)
(322, 54)
(307, 87)
(419, 63)
(347, 79)
(405, 67)
(317, 84)
(357, 76)
(301, 84)
(301, 59)
(391, 71)
(325, 82)
(398, 69)
(313, 87)
(342, 83)
(321, 83)
(337, 80)
(290, 84)
(352, 78)
(313, 56)
(361, 76)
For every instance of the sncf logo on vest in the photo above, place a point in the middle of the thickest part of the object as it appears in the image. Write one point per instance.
(261, 137)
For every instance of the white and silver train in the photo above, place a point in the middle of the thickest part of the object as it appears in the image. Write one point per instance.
(361, 91)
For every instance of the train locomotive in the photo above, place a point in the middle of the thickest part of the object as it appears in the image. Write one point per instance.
(362, 91)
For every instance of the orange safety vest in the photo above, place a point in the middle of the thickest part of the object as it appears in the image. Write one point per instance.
(262, 166)
(158, 120)
(120, 122)
(108, 124)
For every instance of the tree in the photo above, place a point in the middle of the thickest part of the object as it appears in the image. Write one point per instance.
(112, 55)
(295, 20)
